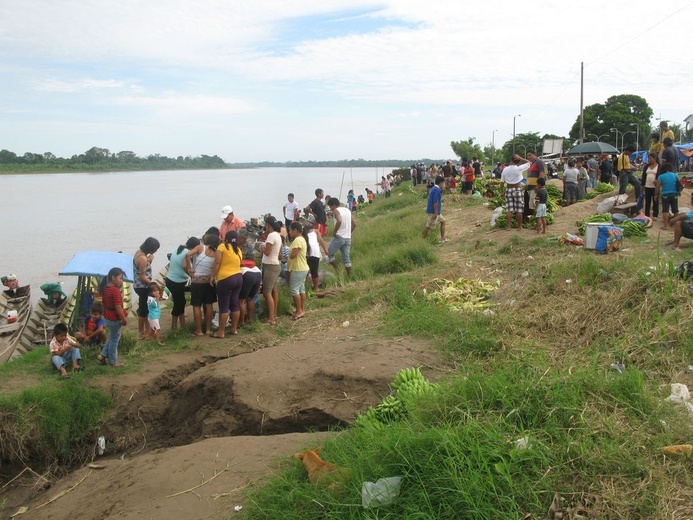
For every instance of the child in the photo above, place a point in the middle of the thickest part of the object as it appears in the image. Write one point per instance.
(540, 200)
(63, 350)
(94, 332)
(154, 312)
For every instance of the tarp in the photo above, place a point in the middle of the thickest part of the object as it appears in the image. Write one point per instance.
(645, 156)
(98, 263)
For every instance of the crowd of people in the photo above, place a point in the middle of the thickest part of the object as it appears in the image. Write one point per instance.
(228, 267)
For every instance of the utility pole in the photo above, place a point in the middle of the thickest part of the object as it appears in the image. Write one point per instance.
(582, 112)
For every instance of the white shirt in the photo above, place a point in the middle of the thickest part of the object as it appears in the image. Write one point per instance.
(344, 230)
(314, 244)
(290, 209)
(275, 240)
(512, 174)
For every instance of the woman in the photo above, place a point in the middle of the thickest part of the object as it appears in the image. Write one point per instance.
(201, 291)
(179, 270)
(226, 273)
(298, 267)
(649, 178)
(570, 183)
(271, 267)
(142, 265)
(468, 173)
(583, 179)
(115, 316)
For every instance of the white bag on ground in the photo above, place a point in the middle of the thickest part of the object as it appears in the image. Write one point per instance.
(380, 493)
(496, 213)
(608, 204)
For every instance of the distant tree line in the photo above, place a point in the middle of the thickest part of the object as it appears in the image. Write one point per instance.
(101, 159)
(344, 163)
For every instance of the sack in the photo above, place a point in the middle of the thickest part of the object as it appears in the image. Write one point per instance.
(685, 270)
(609, 239)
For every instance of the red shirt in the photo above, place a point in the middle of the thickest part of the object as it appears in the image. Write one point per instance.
(469, 174)
(110, 298)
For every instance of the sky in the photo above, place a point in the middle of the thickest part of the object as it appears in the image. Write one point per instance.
(271, 80)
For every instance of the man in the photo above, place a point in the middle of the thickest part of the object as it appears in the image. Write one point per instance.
(592, 171)
(605, 169)
(534, 173)
(344, 224)
(666, 131)
(291, 211)
(230, 222)
(317, 209)
(434, 209)
(477, 167)
(625, 172)
(511, 180)
(669, 154)
(683, 227)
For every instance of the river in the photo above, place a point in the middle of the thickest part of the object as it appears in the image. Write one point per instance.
(46, 218)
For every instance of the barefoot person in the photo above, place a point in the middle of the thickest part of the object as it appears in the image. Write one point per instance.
(202, 293)
(142, 265)
(434, 209)
(298, 266)
(344, 225)
(271, 267)
(511, 189)
(226, 273)
(64, 350)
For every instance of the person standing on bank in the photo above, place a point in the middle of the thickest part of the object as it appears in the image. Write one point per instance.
(344, 225)
(317, 209)
(228, 277)
(142, 266)
(625, 172)
(291, 211)
(114, 314)
(179, 271)
(511, 189)
(434, 209)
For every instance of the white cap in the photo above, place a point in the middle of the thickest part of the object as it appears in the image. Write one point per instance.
(225, 211)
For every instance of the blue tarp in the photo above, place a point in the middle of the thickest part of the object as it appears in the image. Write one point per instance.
(98, 263)
(644, 155)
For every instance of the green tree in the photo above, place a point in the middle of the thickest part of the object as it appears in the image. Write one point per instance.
(523, 142)
(624, 113)
(467, 149)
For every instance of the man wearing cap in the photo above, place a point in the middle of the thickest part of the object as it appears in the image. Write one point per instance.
(230, 222)
(666, 131)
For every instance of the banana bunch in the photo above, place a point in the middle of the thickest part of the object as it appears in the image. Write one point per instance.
(633, 229)
(552, 205)
(601, 217)
(369, 420)
(405, 375)
(414, 390)
(390, 409)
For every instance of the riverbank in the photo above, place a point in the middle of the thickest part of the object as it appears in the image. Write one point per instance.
(537, 366)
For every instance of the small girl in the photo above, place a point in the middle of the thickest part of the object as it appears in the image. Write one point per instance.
(542, 196)
(154, 309)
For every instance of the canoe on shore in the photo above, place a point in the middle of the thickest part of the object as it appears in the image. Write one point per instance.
(39, 330)
(15, 309)
(77, 306)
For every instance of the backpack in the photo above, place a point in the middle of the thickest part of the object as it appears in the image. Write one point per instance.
(685, 270)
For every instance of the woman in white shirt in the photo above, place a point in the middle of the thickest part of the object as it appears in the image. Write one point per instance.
(649, 177)
(271, 267)
(570, 183)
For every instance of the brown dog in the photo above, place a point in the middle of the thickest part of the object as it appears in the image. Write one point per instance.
(321, 473)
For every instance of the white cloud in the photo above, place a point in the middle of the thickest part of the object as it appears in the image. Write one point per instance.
(55, 85)
(188, 105)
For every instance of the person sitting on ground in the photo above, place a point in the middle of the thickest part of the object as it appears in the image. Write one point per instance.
(94, 332)
(683, 227)
(64, 350)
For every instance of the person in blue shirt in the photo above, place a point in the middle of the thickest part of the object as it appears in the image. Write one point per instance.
(683, 227)
(434, 209)
(666, 184)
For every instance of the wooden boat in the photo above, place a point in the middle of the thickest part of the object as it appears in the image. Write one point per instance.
(39, 329)
(78, 304)
(15, 309)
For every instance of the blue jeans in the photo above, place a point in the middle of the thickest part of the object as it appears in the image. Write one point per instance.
(340, 244)
(70, 356)
(110, 348)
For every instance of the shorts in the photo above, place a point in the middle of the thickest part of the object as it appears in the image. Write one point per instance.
(314, 266)
(154, 324)
(251, 284)
(670, 200)
(514, 200)
(433, 220)
(571, 191)
(687, 229)
(202, 294)
(540, 211)
(321, 228)
(270, 277)
(297, 282)
(468, 186)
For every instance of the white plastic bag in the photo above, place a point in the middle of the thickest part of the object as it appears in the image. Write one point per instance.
(496, 213)
(608, 204)
(380, 493)
(679, 394)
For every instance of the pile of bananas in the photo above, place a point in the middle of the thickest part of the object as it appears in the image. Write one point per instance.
(601, 217)
(554, 192)
(408, 386)
(633, 229)
(603, 187)
(460, 295)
